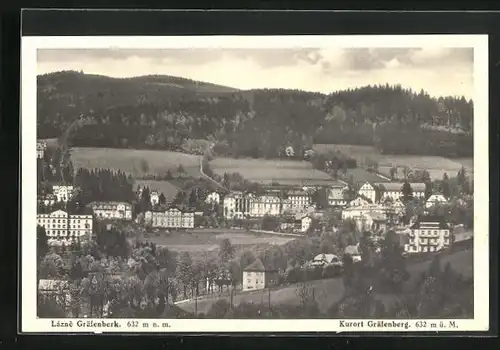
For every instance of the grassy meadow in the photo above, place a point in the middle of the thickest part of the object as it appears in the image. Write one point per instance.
(267, 171)
(435, 165)
(135, 162)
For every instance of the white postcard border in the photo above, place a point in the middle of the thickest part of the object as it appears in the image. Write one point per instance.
(30, 323)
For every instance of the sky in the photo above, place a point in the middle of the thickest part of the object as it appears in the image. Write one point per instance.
(437, 70)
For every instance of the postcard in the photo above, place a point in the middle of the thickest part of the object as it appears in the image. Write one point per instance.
(190, 184)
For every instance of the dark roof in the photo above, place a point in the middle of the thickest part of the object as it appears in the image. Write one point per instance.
(431, 218)
(257, 265)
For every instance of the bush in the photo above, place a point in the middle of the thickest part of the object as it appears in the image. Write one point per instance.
(330, 271)
(219, 309)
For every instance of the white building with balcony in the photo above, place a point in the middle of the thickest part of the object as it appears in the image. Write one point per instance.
(428, 234)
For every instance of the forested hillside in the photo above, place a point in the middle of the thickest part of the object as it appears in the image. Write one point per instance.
(162, 112)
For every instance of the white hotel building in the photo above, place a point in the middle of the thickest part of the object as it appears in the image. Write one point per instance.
(237, 205)
(111, 210)
(428, 234)
(63, 228)
(172, 218)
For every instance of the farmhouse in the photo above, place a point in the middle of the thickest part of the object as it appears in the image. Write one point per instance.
(63, 193)
(237, 204)
(435, 199)
(170, 218)
(111, 210)
(41, 146)
(428, 234)
(257, 276)
(63, 229)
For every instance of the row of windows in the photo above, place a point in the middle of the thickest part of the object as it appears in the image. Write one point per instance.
(62, 220)
(63, 233)
(429, 242)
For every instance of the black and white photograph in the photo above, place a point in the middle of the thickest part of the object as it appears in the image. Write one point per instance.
(319, 183)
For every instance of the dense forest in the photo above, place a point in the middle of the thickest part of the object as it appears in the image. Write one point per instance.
(161, 112)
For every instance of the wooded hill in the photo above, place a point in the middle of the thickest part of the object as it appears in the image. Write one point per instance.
(162, 112)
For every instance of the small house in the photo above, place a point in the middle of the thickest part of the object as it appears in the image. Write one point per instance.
(435, 200)
(257, 276)
(326, 259)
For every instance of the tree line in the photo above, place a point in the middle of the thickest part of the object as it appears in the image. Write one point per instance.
(103, 185)
(257, 123)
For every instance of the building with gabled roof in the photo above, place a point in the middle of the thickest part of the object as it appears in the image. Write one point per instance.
(393, 190)
(62, 228)
(429, 233)
(258, 276)
(435, 200)
(111, 210)
(172, 218)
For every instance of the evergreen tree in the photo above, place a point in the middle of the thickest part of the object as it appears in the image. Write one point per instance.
(161, 199)
(226, 251)
(407, 191)
(445, 186)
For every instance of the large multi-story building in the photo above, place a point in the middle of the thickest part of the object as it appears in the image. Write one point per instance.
(111, 210)
(393, 190)
(299, 200)
(265, 205)
(237, 205)
(63, 193)
(428, 234)
(172, 218)
(365, 216)
(41, 146)
(64, 228)
(382, 191)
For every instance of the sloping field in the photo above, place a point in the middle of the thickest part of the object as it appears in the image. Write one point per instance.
(435, 165)
(166, 187)
(360, 176)
(133, 161)
(267, 171)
